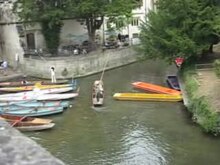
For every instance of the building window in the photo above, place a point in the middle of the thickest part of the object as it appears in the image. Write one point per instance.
(135, 35)
(30, 40)
(135, 21)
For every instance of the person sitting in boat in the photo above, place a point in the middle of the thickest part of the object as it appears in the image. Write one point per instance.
(24, 81)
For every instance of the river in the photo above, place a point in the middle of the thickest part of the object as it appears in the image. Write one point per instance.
(126, 132)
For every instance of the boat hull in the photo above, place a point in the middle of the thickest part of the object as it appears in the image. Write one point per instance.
(21, 119)
(147, 97)
(98, 93)
(32, 87)
(14, 84)
(63, 103)
(36, 111)
(173, 82)
(41, 97)
(155, 88)
(34, 127)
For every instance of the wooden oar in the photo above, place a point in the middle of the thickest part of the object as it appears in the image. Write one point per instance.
(17, 121)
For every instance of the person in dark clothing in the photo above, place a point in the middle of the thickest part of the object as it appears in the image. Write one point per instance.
(119, 37)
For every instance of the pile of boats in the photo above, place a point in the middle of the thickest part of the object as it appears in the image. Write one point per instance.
(155, 92)
(20, 102)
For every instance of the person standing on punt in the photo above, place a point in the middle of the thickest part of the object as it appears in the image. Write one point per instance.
(16, 61)
(52, 72)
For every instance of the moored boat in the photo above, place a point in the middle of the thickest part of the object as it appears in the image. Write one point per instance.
(173, 82)
(155, 88)
(20, 119)
(33, 126)
(36, 111)
(35, 104)
(63, 103)
(62, 96)
(28, 83)
(7, 103)
(40, 97)
(147, 97)
(32, 87)
(39, 92)
(98, 93)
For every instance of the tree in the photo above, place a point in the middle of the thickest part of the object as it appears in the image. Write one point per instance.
(185, 28)
(94, 11)
(49, 13)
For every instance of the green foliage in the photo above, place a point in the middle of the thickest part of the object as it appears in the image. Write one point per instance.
(52, 35)
(48, 12)
(217, 68)
(94, 11)
(184, 28)
(191, 84)
(204, 115)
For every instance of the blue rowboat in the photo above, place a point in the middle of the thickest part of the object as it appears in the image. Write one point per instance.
(7, 103)
(63, 103)
(36, 111)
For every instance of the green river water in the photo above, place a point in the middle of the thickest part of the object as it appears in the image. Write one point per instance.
(128, 132)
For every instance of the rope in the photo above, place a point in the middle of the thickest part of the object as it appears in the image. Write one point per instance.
(104, 68)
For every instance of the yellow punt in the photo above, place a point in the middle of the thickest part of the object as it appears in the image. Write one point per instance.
(147, 97)
(29, 88)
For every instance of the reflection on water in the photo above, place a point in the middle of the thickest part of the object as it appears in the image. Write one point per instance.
(127, 133)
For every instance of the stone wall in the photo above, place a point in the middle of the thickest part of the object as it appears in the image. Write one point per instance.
(81, 65)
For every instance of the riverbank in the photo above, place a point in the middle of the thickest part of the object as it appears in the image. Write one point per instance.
(18, 149)
(11, 74)
(202, 90)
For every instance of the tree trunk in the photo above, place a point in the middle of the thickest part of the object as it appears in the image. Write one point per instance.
(92, 25)
(51, 35)
(211, 48)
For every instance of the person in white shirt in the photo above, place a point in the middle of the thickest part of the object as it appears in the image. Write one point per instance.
(4, 67)
(53, 77)
(16, 61)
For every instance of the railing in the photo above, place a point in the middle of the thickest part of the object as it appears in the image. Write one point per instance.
(67, 51)
(204, 66)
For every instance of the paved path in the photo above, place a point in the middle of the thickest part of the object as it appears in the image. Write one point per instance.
(11, 74)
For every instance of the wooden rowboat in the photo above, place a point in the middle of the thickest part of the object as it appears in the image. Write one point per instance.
(28, 83)
(63, 103)
(35, 111)
(11, 118)
(155, 88)
(173, 82)
(40, 97)
(32, 87)
(35, 104)
(33, 126)
(39, 92)
(147, 97)
(8, 103)
(98, 93)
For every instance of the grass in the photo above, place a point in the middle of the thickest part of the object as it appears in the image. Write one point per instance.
(202, 112)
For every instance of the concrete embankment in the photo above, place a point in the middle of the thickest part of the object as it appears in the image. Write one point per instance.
(18, 149)
(78, 66)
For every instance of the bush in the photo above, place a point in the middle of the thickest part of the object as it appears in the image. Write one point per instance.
(202, 112)
(204, 115)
